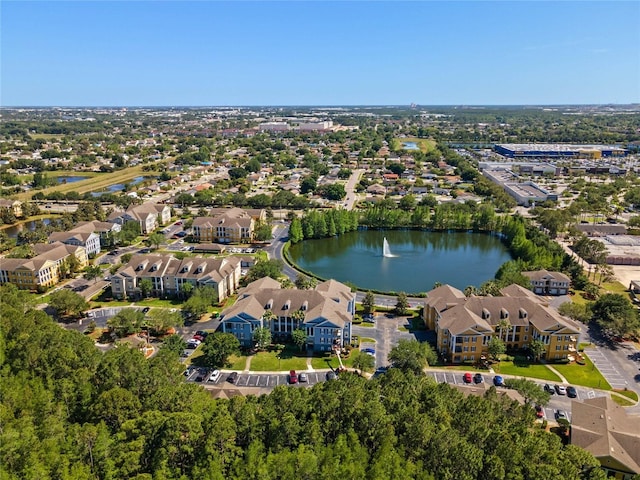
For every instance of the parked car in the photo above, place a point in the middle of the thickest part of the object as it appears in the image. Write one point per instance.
(302, 378)
(572, 392)
(539, 411)
(178, 223)
(145, 310)
(477, 378)
(498, 381)
(145, 250)
(549, 389)
(293, 377)
(215, 376)
(181, 234)
(233, 376)
(331, 376)
(561, 414)
(560, 390)
(467, 377)
(113, 252)
(200, 377)
(185, 353)
(369, 351)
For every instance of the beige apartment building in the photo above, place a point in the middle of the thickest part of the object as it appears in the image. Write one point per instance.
(230, 225)
(464, 326)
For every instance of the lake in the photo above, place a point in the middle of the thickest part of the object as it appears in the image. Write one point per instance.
(71, 179)
(118, 187)
(419, 259)
(12, 231)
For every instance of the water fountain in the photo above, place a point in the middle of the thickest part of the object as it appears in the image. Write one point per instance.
(386, 251)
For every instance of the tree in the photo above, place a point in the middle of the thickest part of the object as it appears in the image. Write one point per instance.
(299, 337)
(262, 337)
(92, 272)
(186, 289)
(146, 287)
(530, 391)
(363, 361)
(412, 355)
(616, 314)
(155, 240)
(408, 202)
(369, 302)
(174, 343)
(538, 348)
(126, 322)
(303, 282)
(402, 305)
(162, 319)
(295, 231)
(580, 312)
(67, 303)
(265, 268)
(218, 347)
(496, 347)
(263, 232)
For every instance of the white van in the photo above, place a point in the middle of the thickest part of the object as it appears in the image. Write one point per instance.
(215, 376)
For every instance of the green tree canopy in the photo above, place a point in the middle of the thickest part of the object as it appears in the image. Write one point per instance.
(412, 355)
(67, 303)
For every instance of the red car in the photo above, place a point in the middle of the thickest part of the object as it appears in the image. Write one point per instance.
(467, 377)
(293, 377)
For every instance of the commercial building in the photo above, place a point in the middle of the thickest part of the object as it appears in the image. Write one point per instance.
(325, 314)
(525, 193)
(464, 326)
(168, 275)
(545, 150)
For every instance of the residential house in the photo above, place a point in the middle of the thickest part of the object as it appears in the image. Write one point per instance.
(325, 314)
(43, 270)
(604, 429)
(148, 215)
(464, 326)
(168, 274)
(548, 283)
(13, 205)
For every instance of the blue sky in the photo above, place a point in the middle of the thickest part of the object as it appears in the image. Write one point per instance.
(160, 53)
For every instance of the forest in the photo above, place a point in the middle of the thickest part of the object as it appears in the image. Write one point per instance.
(70, 411)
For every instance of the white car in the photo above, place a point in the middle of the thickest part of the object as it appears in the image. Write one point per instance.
(215, 376)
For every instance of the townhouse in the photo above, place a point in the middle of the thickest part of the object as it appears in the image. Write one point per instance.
(45, 269)
(233, 225)
(464, 326)
(169, 274)
(325, 314)
(148, 215)
(548, 283)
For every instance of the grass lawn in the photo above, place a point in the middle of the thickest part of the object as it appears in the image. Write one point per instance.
(367, 340)
(364, 324)
(627, 393)
(269, 361)
(623, 402)
(331, 361)
(238, 362)
(523, 369)
(158, 302)
(614, 287)
(586, 375)
(424, 144)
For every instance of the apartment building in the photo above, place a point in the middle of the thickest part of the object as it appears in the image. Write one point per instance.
(148, 215)
(232, 225)
(464, 326)
(43, 270)
(325, 314)
(89, 240)
(548, 283)
(168, 275)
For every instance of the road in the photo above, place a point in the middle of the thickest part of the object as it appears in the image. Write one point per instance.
(351, 198)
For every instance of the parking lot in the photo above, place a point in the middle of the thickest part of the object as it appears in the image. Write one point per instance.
(556, 402)
(264, 380)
